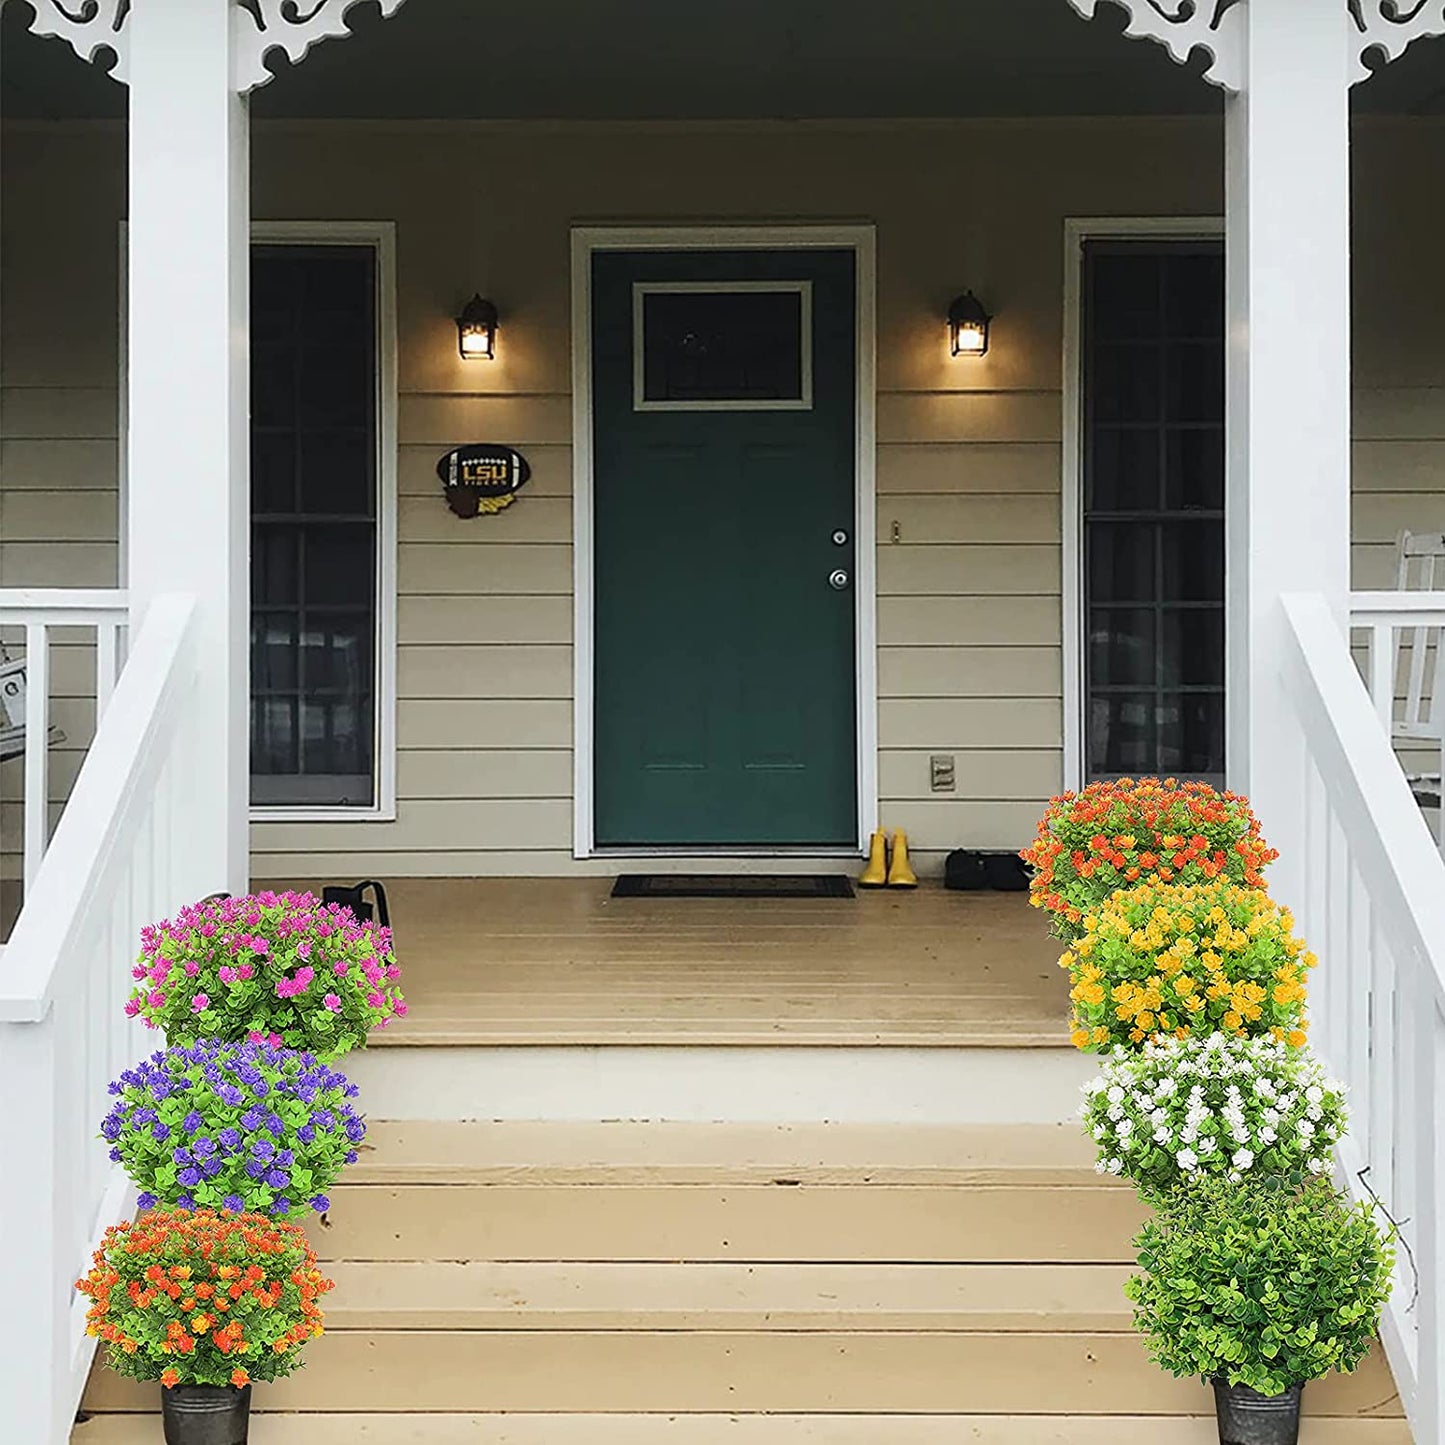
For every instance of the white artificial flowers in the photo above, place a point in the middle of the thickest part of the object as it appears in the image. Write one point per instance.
(1220, 1106)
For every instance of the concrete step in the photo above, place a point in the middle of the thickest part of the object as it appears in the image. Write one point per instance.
(708, 1371)
(549, 1429)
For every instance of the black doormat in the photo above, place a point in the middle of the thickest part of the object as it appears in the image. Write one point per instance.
(730, 885)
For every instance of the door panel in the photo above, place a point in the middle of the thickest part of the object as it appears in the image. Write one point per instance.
(725, 662)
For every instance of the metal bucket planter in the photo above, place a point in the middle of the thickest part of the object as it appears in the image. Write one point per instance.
(1248, 1418)
(206, 1414)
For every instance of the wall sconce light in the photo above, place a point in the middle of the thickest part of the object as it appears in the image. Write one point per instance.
(968, 325)
(477, 330)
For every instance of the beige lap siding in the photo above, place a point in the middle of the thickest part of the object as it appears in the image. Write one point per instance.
(59, 407)
(969, 452)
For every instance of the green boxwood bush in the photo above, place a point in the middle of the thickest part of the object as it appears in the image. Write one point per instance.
(1268, 1284)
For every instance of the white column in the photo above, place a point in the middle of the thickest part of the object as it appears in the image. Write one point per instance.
(188, 426)
(1288, 474)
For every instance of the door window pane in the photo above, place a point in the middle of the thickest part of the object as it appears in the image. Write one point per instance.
(314, 526)
(741, 346)
(1153, 500)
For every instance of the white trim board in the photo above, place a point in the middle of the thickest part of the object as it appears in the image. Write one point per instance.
(381, 236)
(1078, 230)
(861, 240)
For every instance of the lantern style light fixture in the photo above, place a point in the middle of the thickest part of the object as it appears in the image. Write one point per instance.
(477, 330)
(968, 325)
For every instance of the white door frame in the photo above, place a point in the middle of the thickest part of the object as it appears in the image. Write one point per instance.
(860, 239)
(1078, 230)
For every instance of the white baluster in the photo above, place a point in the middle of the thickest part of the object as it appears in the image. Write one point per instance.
(107, 664)
(1382, 671)
(37, 743)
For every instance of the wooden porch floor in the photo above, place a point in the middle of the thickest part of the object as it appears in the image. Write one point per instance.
(558, 961)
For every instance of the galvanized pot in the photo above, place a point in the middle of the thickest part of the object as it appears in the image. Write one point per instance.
(206, 1414)
(1248, 1418)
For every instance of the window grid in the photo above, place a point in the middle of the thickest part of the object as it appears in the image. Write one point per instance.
(313, 676)
(1142, 715)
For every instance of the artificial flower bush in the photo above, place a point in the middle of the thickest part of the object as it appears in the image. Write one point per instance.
(1118, 834)
(204, 1298)
(1224, 1106)
(1168, 958)
(1266, 1284)
(283, 967)
(242, 1127)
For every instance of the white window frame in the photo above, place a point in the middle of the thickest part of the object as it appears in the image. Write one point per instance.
(1077, 232)
(381, 236)
(641, 290)
(862, 241)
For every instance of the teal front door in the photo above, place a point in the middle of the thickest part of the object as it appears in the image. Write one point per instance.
(724, 453)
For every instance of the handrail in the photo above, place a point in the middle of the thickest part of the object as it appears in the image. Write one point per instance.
(123, 761)
(1376, 803)
(1373, 905)
(129, 848)
(1396, 604)
(60, 605)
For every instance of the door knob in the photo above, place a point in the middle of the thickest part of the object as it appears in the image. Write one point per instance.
(838, 580)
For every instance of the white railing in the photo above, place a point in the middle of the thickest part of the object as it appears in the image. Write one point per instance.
(1420, 615)
(26, 691)
(1373, 909)
(122, 856)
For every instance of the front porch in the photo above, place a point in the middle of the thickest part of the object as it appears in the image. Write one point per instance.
(785, 1170)
(548, 962)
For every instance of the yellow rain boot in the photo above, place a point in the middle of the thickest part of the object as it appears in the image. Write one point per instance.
(875, 875)
(900, 871)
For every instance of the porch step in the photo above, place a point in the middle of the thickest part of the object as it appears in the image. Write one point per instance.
(722, 1297)
(548, 1429)
(821, 1282)
(628, 1192)
(856, 1369)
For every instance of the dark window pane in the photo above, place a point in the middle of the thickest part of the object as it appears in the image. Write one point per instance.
(334, 385)
(1192, 567)
(1121, 562)
(273, 385)
(1122, 734)
(1196, 381)
(722, 346)
(336, 472)
(1191, 734)
(1194, 296)
(1123, 470)
(1123, 300)
(274, 555)
(273, 735)
(340, 562)
(1193, 650)
(1125, 384)
(1194, 469)
(1121, 646)
(273, 652)
(273, 471)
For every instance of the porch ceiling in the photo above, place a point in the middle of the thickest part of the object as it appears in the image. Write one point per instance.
(710, 59)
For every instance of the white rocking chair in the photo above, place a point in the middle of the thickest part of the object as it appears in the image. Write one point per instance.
(12, 709)
(1420, 567)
